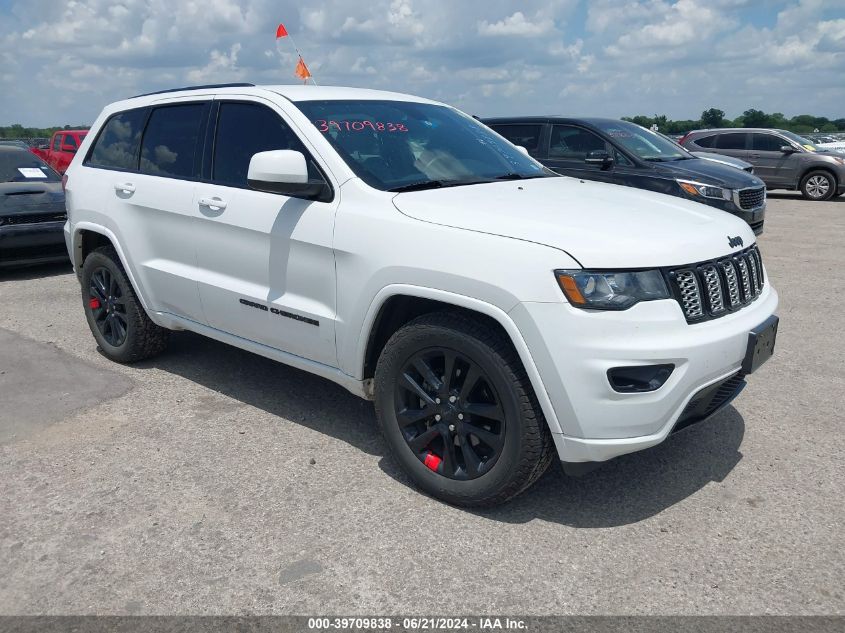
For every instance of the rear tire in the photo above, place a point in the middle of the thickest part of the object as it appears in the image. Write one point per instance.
(818, 185)
(476, 444)
(121, 327)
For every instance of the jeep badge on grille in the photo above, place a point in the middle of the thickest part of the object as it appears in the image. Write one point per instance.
(733, 242)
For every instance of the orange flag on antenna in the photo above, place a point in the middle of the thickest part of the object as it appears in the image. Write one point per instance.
(281, 31)
(302, 70)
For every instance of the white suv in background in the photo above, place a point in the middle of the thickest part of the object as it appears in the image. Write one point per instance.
(493, 310)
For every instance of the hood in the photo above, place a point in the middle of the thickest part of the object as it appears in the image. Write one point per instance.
(24, 198)
(599, 225)
(721, 158)
(710, 173)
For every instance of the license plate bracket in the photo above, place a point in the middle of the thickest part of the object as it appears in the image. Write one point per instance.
(761, 345)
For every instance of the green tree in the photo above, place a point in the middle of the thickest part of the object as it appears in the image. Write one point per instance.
(754, 118)
(714, 117)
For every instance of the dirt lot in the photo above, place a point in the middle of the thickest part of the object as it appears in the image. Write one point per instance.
(185, 484)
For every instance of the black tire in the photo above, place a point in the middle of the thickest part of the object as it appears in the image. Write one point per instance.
(526, 447)
(818, 185)
(130, 335)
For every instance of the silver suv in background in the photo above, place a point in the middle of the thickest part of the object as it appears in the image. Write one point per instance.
(782, 159)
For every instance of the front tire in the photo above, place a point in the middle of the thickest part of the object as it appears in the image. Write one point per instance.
(818, 185)
(121, 327)
(458, 412)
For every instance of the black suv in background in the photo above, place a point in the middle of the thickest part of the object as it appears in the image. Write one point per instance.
(623, 153)
(782, 159)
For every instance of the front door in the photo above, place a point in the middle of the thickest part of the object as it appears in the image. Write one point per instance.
(568, 149)
(773, 166)
(267, 270)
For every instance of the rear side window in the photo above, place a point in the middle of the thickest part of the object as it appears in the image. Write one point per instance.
(732, 140)
(117, 145)
(705, 141)
(528, 136)
(767, 142)
(244, 129)
(573, 143)
(171, 141)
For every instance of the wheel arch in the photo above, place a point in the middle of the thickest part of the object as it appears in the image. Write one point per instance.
(396, 305)
(87, 237)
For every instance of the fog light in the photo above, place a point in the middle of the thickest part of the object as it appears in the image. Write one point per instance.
(639, 378)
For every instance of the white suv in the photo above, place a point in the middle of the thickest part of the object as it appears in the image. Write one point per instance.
(493, 310)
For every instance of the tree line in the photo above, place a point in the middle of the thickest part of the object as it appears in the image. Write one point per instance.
(19, 131)
(714, 118)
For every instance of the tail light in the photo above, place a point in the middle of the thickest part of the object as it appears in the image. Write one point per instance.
(64, 183)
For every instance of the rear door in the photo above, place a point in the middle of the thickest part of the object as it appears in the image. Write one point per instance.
(733, 144)
(772, 165)
(139, 182)
(527, 135)
(267, 268)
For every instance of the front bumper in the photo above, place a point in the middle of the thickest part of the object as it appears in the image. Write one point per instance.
(573, 350)
(755, 217)
(24, 244)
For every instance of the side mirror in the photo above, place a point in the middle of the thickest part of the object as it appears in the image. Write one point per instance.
(787, 149)
(522, 149)
(599, 157)
(283, 171)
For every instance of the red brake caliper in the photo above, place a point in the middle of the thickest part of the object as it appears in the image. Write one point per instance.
(432, 461)
(93, 303)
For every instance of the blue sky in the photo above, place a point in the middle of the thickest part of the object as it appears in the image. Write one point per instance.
(61, 61)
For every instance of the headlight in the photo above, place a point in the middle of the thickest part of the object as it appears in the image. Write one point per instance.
(611, 291)
(696, 189)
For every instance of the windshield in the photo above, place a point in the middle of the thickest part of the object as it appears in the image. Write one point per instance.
(401, 145)
(803, 142)
(23, 166)
(643, 143)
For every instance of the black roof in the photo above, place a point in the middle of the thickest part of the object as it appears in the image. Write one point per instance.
(13, 148)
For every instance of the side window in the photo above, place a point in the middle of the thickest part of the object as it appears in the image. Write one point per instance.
(573, 143)
(705, 141)
(57, 142)
(69, 142)
(244, 129)
(767, 142)
(117, 145)
(528, 136)
(171, 141)
(732, 140)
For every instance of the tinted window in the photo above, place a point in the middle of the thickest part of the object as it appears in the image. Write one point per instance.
(117, 145)
(573, 143)
(13, 160)
(69, 142)
(528, 136)
(171, 141)
(767, 142)
(57, 142)
(705, 141)
(733, 140)
(244, 129)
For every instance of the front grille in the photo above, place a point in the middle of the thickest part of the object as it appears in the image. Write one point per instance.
(709, 400)
(752, 198)
(13, 220)
(708, 290)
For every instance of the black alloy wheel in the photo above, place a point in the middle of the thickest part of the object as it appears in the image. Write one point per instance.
(449, 413)
(108, 307)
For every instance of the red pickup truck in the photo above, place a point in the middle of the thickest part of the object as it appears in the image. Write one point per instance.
(61, 149)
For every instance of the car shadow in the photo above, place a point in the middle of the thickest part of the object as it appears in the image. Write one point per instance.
(623, 491)
(35, 271)
(794, 195)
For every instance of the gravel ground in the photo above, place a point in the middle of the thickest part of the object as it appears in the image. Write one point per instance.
(185, 485)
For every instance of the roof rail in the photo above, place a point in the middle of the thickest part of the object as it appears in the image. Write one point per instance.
(206, 86)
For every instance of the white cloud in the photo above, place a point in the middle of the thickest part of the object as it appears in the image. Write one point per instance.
(516, 24)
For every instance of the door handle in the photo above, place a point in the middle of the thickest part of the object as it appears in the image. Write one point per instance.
(213, 203)
(754, 156)
(124, 187)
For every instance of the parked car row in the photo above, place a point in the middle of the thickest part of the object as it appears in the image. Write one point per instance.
(623, 153)
(782, 159)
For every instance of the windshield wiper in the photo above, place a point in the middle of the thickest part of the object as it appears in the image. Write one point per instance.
(514, 176)
(434, 184)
